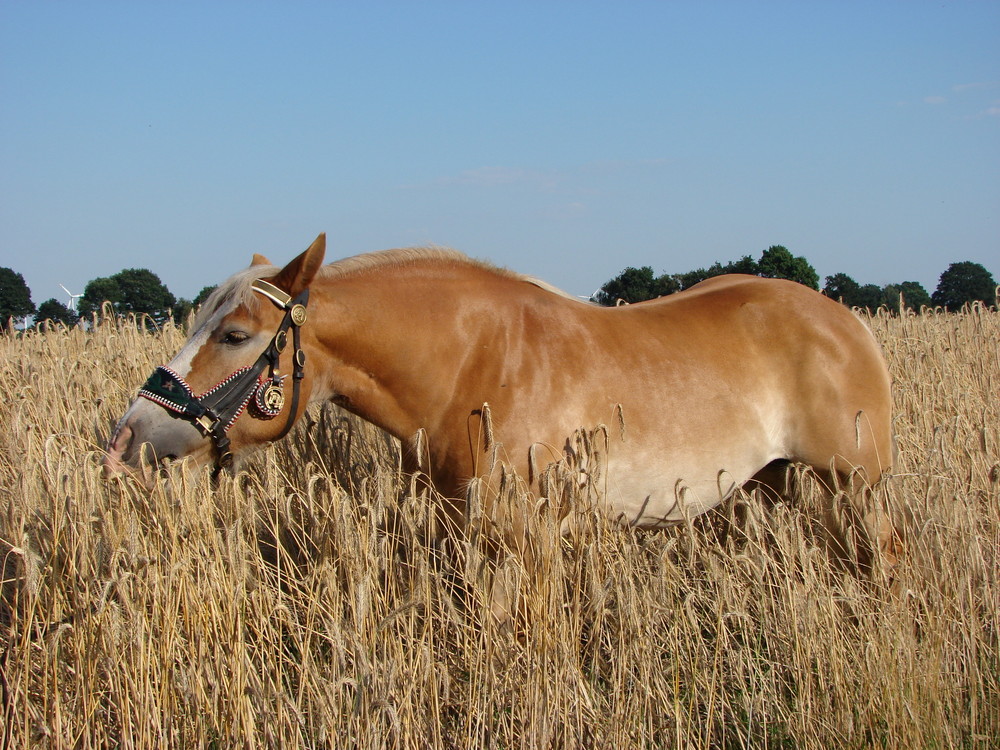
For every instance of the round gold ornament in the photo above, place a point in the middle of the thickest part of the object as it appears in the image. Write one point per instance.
(270, 399)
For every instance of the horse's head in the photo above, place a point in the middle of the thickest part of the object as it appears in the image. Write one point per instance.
(239, 381)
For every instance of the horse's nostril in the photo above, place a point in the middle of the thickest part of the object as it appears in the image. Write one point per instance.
(120, 440)
(115, 458)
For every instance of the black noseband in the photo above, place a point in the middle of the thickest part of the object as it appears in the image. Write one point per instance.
(216, 410)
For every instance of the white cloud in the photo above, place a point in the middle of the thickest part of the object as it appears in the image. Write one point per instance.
(934, 100)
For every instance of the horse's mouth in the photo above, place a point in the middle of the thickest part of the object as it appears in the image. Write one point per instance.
(115, 460)
(124, 457)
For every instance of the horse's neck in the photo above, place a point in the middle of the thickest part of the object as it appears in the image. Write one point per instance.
(397, 347)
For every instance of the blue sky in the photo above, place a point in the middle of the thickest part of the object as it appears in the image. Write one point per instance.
(563, 139)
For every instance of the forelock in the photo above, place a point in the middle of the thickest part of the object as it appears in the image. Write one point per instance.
(236, 291)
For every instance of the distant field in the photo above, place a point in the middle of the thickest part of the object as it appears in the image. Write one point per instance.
(276, 612)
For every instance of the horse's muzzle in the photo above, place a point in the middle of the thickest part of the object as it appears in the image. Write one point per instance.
(143, 440)
(117, 459)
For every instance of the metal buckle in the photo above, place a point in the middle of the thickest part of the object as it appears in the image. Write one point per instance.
(206, 423)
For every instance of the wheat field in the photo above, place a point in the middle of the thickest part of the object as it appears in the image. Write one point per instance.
(283, 609)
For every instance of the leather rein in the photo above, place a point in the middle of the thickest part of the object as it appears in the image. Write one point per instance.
(215, 411)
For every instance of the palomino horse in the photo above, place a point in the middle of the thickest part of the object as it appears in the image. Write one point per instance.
(461, 361)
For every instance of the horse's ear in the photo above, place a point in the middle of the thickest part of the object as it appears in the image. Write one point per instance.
(260, 260)
(299, 273)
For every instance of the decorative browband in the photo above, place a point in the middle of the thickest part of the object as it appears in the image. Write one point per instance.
(280, 297)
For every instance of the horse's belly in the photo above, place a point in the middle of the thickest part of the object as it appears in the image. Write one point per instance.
(653, 496)
(650, 504)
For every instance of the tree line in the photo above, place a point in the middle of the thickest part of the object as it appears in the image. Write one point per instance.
(139, 291)
(136, 291)
(961, 283)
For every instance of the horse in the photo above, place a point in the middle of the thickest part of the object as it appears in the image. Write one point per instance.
(472, 366)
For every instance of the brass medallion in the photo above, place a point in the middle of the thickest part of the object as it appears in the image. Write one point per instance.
(271, 399)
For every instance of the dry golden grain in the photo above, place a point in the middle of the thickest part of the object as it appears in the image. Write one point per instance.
(299, 603)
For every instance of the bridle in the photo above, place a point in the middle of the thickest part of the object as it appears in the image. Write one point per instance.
(215, 411)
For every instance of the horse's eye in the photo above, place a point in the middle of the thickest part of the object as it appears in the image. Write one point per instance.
(235, 338)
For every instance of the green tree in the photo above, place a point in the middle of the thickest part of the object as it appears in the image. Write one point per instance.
(913, 292)
(184, 307)
(842, 288)
(96, 293)
(962, 283)
(143, 292)
(688, 279)
(15, 297)
(54, 310)
(203, 295)
(777, 262)
(869, 296)
(635, 285)
(133, 290)
(746, 265)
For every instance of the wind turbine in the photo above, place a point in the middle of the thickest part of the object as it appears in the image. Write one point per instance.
(72, 298)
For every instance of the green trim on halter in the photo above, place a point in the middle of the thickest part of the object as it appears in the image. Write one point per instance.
(167, 389)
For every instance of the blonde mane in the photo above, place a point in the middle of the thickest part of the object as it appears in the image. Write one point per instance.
(237, 290)
(408, 255)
